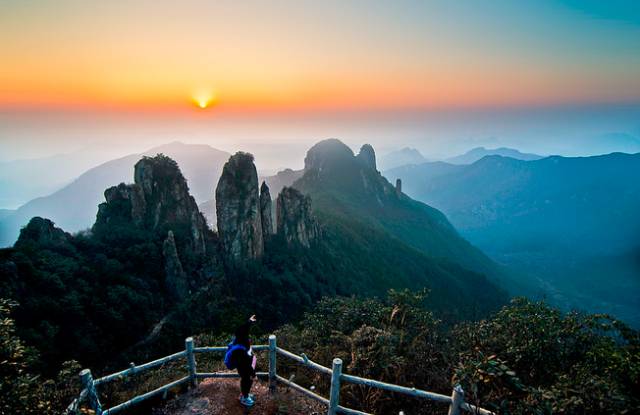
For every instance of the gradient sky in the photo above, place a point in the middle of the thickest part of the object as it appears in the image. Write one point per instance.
(300, 55)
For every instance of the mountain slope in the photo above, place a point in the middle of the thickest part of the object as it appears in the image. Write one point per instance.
(349, 188)
(23, 180)
(559, 219)
(74, 206)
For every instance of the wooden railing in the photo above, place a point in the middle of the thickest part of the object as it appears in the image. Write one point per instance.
(90, 395)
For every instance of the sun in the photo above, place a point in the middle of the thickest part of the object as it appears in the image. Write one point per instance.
(204, 99)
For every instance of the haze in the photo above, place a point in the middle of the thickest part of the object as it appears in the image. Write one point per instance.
(549, 77)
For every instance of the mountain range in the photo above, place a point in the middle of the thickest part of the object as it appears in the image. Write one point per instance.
(340, 229)
(565, 222)
(477, 153)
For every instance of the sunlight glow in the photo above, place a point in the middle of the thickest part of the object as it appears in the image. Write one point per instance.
(204, 99)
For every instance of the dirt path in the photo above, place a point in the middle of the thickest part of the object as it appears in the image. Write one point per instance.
(220, 397)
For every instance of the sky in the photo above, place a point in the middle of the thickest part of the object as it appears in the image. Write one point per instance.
(121, 76)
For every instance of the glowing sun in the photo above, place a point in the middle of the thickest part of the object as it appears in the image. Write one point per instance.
(204, 100)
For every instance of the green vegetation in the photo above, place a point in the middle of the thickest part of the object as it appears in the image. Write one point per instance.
(22, 391)
(528, 358)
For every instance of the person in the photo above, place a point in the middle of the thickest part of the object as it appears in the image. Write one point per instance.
(245, 362)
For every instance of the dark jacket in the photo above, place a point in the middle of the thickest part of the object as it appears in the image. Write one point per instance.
(241, 357)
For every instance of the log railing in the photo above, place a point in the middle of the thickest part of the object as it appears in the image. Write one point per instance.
(89, 393)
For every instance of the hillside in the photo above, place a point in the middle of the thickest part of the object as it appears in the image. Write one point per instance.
(74, 206)
(349, 189)
(549, 218)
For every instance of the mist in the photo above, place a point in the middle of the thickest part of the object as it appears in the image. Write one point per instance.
(280, 140)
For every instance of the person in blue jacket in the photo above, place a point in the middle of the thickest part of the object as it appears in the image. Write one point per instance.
(245, 362)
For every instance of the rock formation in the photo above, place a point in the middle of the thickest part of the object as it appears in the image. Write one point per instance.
(238, 210)
(158, 199)
(398, 187)
(332, 164)
(175, 277)
(326, 154)
(295, 219)
(43, 232)
(367, 156)
(124, 202)
(265, 211)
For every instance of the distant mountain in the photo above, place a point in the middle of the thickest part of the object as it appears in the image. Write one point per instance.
(549, 217)
(283, 178)
(401, 157)
(73, 207)
(611, 142)
(23, 180)
(477, 153)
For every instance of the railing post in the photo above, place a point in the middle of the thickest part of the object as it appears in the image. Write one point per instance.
(334, 395)
(272, 362)
(191, 360)
(457, 397)
(87, 382)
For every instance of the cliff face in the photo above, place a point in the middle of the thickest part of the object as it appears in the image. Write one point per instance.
(238, 211)
(367, 156)
(159, 197)
(265, 211)
(176, 280)
(295, 219)
(42, 232)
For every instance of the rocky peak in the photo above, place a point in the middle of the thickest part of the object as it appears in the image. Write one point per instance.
(331, 166)
(238, 210)
(43, 232)
(158, 199)
(367, 156)
(327, 153)
(265, 211)
(295, 219)
(123, 202)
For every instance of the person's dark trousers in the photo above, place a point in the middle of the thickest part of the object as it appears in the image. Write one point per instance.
(246, 379)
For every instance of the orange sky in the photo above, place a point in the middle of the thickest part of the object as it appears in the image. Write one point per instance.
(260, 56)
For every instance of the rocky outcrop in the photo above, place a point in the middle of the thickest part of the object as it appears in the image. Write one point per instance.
(367, 157)
(175, 278)
(326, 154)
(238, 211)
(124, 202)
(265, 211)
(42, 232)
(158, 199)
(398, 187)
(330, 164)
(295, 219)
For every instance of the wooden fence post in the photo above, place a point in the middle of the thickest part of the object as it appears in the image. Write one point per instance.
(272, 362)
(87, 381)
(191, 360)
(457, 397)
(334, 395)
